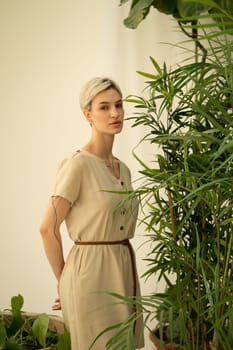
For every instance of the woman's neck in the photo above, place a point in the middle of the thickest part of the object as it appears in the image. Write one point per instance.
(102, 149)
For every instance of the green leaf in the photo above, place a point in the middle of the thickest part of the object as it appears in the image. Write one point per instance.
(139, 10)
(147, 75)
(64, 342)
(169, 7)
(190, 8)
(156, 65)
(3, 335)
(16, 324)
(17, 303)
(205, 3)
(40, 328)
(11, 344)
(16, 319)
(123, 2)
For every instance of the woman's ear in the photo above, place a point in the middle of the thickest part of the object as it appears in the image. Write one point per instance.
(87, 115)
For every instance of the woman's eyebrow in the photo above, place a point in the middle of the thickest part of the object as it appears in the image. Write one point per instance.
(108, 102)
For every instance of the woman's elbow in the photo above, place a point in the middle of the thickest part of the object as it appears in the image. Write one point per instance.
(45, 230)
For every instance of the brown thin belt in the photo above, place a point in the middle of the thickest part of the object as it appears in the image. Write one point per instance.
(124, 241)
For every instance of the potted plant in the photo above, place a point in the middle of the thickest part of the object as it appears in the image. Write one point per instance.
(187, 192)
(27, 331)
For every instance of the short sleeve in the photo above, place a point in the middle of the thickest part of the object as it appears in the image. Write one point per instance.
(68, 180)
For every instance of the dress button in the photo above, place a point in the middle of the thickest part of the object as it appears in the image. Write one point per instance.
(122, 183)
(122, 228)
(123, 212)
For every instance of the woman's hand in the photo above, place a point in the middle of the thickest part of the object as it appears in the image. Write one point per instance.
(57, 305)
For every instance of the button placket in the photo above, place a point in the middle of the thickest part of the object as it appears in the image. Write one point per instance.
(123, 211)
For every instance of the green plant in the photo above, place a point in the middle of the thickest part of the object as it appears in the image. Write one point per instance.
(139, 9)
(22, 331)
(187, 190)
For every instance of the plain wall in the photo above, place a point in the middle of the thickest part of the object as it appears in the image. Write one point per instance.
(48, 49)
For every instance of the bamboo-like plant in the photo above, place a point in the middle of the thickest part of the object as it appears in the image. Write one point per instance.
(187, 192)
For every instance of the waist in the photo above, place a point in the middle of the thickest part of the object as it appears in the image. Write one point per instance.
(124, 241)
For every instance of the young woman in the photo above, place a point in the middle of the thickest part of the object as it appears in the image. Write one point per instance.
(87, 195)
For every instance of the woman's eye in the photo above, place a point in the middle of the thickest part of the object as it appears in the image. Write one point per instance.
(119, 105)
(104, 108)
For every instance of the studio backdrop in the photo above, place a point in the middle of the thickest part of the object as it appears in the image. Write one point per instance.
(48, 50)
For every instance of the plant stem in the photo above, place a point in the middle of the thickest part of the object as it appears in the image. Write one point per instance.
(194, 37)
(172, 214)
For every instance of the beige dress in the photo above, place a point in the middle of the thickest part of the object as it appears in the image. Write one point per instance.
(93, 270)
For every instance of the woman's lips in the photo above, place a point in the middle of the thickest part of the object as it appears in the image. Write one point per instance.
(116, 123)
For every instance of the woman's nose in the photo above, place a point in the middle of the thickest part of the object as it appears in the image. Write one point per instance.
(114, 112)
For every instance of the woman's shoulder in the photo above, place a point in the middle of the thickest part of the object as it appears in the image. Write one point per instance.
(73, 160)
(125, 167)
(75, 157)
(123, 164)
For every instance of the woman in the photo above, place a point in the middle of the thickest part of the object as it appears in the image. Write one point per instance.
(101, 259)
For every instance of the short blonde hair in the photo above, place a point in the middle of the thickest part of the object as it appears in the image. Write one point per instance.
(94, 87)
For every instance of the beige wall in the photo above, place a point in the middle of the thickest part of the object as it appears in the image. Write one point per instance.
(48, 49)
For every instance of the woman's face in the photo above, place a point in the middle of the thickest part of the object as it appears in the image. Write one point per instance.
(107, 113)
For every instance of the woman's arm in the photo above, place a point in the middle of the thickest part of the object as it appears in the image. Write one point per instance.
(55, 214)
